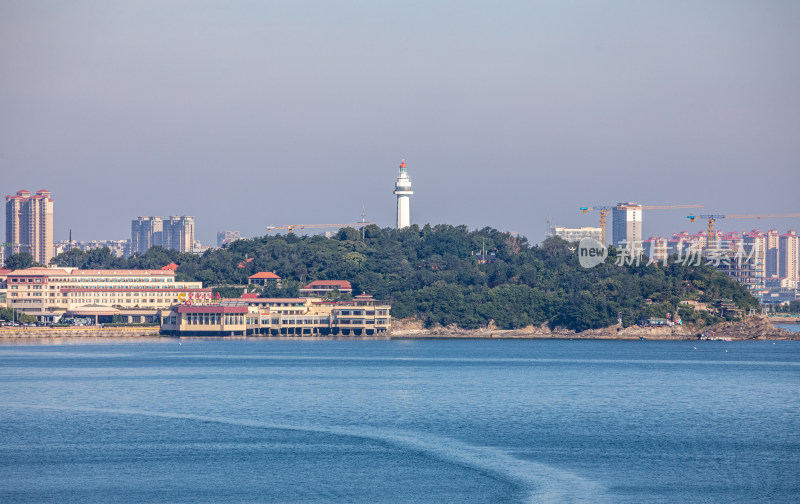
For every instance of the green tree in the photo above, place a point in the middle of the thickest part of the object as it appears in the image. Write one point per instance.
(20, 261)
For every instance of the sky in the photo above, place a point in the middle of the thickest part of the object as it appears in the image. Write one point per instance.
(246, 114)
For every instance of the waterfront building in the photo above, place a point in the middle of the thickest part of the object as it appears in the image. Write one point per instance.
(146, 232)
(132, 295)
(29, 225)
(324, 287)
(788, 256)
(576, 234)
(226, 237)
(403, 191)
(626, 224)
(281, 316)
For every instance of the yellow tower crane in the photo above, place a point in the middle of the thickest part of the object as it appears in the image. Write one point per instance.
(603, 214)
(713, 217)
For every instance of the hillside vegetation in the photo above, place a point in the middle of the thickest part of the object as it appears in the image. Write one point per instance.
(432, 273)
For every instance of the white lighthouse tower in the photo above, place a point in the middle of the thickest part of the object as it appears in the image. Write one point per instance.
(402, 189)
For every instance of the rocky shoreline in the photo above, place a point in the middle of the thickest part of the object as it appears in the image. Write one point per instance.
(751, 329)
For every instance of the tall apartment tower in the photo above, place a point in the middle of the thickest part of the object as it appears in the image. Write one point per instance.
(627, 224)
(788, 248)
(178, 233)
(402, 189)
(771, 264)
(29, 225)
(146, 232)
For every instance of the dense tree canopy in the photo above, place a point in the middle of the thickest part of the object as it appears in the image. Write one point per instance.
(433, 273)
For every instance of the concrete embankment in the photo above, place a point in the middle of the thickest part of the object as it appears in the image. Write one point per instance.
(77, 332)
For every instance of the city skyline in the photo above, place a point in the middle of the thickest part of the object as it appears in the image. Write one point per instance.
(506, 114)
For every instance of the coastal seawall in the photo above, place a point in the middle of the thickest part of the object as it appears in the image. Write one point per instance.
(752, 329)
(78, 332)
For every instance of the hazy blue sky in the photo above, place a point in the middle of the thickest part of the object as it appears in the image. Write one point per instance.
(251, 113)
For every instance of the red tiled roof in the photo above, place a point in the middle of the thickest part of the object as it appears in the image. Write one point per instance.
(250, 295)
(321, 284)
(268, 275)
(170, 267)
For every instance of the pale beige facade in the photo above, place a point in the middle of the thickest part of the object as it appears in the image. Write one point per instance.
(49, 293)
(788, 256)
(362, 316)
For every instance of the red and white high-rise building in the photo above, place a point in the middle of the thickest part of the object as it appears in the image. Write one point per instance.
(29, 225)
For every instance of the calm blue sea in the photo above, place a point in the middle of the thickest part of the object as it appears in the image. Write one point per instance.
(422, 421)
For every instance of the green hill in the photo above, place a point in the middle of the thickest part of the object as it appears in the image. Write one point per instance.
(432, 273)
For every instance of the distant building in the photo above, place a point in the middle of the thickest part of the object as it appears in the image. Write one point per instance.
(29, 225)
(263, 278)
(627, 224)
(226, 237)
(754, 244)
(323, 287)
(120, 248)
(788, 256)
(175, 233)
(656, 248)
(576, 234)
(772, 253)
(178, 233)
(146, 232)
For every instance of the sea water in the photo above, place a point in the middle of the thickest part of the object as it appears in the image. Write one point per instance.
(423, 421)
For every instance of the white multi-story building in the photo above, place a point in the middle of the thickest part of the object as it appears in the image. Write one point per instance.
(49, 293)
(120, 248)
(576, 234)
(788, 256)
(627, 224)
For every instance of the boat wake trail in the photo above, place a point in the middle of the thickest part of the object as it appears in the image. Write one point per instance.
(542, 483)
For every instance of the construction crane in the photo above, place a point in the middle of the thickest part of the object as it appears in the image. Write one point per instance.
(291, 227)
(713, 217)
(604, 213)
